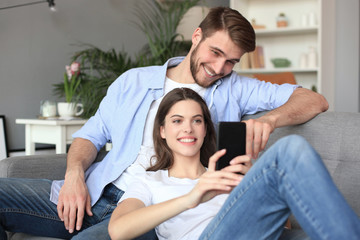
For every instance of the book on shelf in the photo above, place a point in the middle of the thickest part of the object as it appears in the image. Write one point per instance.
(253, 59)
(245, 61)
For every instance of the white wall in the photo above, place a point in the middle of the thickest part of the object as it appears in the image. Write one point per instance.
(36, 44)
(347, 75)
(340, 55)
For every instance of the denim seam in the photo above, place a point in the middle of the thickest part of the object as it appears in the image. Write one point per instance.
(32, 213)
(305, 209)
(105, 213)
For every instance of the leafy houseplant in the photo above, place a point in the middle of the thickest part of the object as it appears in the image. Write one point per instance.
(99, 69)
(158, 20)
(71, 85)
(70, 88)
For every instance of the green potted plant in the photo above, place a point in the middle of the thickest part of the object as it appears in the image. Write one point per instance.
(70, 89)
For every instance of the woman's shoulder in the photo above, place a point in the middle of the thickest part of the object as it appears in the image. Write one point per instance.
(158, 175)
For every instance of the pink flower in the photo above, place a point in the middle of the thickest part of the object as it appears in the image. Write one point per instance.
(75, 68)
(72, 69)
(68, 72)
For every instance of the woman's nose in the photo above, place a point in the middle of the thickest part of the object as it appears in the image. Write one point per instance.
(188, 128)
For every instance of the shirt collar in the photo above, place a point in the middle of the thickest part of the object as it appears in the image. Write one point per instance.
(158, 77)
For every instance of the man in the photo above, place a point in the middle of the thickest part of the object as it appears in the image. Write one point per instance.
(85, 199)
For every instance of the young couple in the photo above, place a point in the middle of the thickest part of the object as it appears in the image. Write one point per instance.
(184, 197)
(80, 206)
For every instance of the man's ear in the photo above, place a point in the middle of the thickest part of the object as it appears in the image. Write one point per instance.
(196, 37)
(162, 132)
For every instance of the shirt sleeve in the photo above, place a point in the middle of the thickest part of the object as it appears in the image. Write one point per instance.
(97, 129)
(257, 96)
(139, 190)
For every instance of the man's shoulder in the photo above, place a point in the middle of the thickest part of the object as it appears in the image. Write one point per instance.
(234, 78)
(152, 69)
(141, 77)
(144, 70)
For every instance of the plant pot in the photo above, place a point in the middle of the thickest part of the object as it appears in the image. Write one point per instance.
(69, 110)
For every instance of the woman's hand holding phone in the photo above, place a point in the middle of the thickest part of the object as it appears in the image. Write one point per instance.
(240, 165)
(215, 182)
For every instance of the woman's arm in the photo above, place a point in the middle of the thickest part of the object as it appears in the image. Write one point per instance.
(131, 218)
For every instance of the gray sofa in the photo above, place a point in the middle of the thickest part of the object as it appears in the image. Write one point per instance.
(336, 136)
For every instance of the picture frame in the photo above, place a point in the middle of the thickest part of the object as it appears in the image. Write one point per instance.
(3, 141)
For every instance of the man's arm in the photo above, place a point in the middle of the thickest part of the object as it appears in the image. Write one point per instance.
(302, 106)
(74, 197)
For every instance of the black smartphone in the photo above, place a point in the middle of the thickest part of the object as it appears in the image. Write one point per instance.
(232, 137)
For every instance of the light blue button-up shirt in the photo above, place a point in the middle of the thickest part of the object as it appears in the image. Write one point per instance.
(122, 113)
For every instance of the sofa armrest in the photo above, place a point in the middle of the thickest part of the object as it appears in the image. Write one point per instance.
(34, 166)
(51, 166)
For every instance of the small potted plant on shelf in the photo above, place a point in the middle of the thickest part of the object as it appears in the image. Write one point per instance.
(70, 89)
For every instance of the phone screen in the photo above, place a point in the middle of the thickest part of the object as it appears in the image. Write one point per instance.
(232, 137)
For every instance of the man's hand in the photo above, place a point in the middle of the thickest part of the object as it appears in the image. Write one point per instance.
(257, 135)
(302, 106)
(74, 199)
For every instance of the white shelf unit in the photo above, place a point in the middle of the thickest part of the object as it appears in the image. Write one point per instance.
(287, 42)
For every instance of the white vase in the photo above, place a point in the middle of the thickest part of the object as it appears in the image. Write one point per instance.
(312, 58)
(69, 110)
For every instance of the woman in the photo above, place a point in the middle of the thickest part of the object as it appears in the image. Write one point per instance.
(184, 200)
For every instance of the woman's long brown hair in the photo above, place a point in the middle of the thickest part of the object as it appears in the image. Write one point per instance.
(163, 154)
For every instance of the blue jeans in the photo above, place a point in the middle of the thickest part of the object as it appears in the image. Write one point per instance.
(25, 207)
(289, 177)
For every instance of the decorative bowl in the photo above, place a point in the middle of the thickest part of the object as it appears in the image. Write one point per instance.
(280, 62)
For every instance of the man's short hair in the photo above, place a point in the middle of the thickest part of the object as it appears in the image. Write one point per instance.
(238, 27)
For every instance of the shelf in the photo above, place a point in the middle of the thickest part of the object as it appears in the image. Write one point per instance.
(291, 42)
(285, 31)
(277, 70)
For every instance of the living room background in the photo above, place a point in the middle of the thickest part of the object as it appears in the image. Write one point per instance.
(36, 44)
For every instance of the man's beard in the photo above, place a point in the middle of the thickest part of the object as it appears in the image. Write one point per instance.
(195, 68)
(193, 65)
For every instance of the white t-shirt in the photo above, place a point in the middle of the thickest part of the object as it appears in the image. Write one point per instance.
(156, 187)
(142, 161)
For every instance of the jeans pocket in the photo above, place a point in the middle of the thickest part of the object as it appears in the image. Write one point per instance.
(106, 204)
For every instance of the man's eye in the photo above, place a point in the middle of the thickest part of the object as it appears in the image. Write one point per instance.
(215, 52)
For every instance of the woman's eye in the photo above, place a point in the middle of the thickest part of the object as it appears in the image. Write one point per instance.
(198, 120)
(176, 121)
